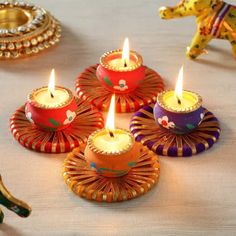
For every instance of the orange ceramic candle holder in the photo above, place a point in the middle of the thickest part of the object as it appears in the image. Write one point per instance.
(89, 184)
(111, 163)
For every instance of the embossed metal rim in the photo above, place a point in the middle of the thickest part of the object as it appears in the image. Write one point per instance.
(36, 13)
(99, 151)
(106, 65)
(31, 99)
(87, 183)
(181, 110)
(39, 36)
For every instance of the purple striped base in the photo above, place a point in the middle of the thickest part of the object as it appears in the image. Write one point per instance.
(165, 143)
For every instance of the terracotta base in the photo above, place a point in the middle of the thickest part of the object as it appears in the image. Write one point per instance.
(87, 183)
(165, 143)
(87, 121)
(89, 88)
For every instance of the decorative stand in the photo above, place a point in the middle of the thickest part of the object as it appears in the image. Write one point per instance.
(89, 88)
(87, 183)
(6, 199)
(166, 143)
(87, 120)
(26, 29)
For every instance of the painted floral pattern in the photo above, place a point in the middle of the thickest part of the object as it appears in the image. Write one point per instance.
(122, 85)
(201, 116)
(29, 117)
(164, 121)
(70, 117)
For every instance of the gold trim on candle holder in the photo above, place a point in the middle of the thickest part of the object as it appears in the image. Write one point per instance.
(31, 98)
(180, 110)
(99, 151)
(105, 64)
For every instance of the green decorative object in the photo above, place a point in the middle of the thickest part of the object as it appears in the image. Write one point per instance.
(54, 122)
(190, 126)
(107, 81)
(21, 208)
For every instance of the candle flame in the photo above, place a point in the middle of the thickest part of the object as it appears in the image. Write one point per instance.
(110, 122)
(51, 84)
(125, 53)
(179, 85)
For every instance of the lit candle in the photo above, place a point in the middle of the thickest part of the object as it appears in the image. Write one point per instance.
(110, 151)
(51, 108)
(51, 96)
(121, 71)
(179, 110)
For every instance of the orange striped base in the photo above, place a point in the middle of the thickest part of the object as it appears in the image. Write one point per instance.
(89, 88)
(87, 183)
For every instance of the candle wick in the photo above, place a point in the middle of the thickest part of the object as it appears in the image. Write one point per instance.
(125, 63)
(179, 101)
(111, 134)
(52, 96)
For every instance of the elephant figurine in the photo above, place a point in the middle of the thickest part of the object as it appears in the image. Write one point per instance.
(215, 20)
(6, 199)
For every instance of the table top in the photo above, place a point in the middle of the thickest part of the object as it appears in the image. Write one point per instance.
(194, 196)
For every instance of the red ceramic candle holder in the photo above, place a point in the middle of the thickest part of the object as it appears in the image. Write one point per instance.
(120, 79)
(49, 118)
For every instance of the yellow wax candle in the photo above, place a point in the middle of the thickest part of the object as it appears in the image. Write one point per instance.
(120, 141)
(119, 63)
(188, 100)
(43, 97)
(123, 60)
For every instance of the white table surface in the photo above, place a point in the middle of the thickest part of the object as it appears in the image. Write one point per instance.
(195, 196)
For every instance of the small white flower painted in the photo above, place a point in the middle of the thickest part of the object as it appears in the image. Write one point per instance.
(122, 85)
(29, 117)
(70, 117)
(201, 116)
(164, 121)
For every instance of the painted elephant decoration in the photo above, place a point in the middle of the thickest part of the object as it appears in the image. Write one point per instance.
(215, 20)
(11, 203)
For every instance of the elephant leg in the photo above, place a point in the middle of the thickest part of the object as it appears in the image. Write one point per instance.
(233, 44)
(1, 216)
(198, 45)
(6, 199)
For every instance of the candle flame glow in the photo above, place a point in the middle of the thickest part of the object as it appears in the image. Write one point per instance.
(125, 53)
(179, 85)
(110, 122)
(51, 84)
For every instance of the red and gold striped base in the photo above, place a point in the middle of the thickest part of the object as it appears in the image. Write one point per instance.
(89, 88)
(87, 183)
(88, 120)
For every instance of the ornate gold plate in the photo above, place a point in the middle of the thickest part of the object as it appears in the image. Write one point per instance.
(26, 29)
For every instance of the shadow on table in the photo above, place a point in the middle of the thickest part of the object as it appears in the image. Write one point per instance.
(228, 56)
(9, 230)
(66, 55)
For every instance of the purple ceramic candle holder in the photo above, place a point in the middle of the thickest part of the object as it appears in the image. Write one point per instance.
(182, 119)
